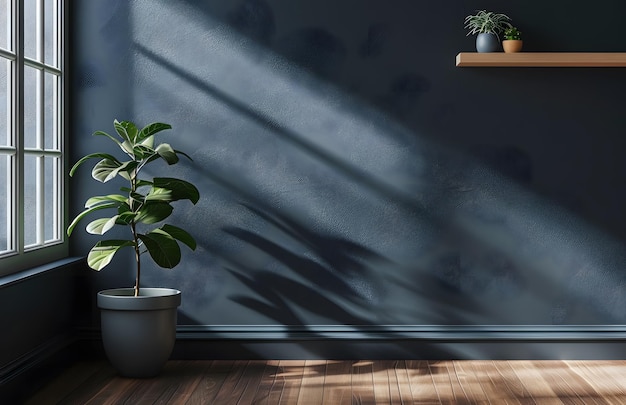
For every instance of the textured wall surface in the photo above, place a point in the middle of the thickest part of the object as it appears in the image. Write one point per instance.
(351, 174)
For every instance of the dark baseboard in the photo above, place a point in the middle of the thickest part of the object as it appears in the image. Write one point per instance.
(490, 342)
(26, 374)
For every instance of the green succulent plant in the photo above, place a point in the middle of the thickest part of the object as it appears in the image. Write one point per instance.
(487, 22)
(512, 33)
(141, 204)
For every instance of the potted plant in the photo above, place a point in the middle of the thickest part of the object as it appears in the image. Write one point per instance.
(138, 324)
(512, 41)
(488, 26)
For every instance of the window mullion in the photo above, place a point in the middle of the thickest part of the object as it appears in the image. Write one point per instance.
(41, 32)
(18, 117)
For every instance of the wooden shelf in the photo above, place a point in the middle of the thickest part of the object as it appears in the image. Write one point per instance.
(541, 59)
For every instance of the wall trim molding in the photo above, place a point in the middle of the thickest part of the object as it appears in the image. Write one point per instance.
(451, 333)
(35, 357)
(24, 375)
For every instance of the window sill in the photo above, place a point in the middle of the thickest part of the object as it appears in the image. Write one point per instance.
(11, 279)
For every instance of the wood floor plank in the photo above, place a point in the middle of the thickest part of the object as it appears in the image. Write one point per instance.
(394, 385)
(291, 371)
(403, 381)
(535, 383)
(65, 383)
(277, 384)
(575, 385)
(338, 383)
(495, 386)
(190, 374)
(229, 388)
(441, 381)
(211, 382)
(422, 387)
(513, 382)
(251, 380)
(363, 383)
(233, 386)
(604, 388)
(380, 378)
(550, 372)
(610, 374)
(114, 391)
(312, 387)
(82, 394)
(458, 394)
(470, 383)
(267, 384)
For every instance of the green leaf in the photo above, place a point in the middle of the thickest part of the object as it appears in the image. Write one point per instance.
(105, 156)
(103, 170)
(153, 211)
(152, 129)
(126, 130)
(125, 218)
(127, 148)
(103, 251)
(162, 247)
(105, 198)
(102, 225)
(87, 211)
(148, 142)
(180, 234)
(167, 153)
(181, 189)
(159, 194)
(106, 170)
(143, 152)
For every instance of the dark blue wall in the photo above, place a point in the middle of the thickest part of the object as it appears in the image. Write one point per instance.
(351, 174)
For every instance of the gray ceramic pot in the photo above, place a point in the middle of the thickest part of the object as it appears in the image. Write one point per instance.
(138, 333)
(488, 42)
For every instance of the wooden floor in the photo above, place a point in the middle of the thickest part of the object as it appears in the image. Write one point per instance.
(346, 382)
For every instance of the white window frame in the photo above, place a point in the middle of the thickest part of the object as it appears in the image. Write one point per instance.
(19, 255)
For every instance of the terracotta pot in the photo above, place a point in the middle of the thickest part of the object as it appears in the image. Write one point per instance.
(512, 45)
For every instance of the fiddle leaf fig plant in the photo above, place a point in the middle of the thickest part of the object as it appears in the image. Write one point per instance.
(142, 202)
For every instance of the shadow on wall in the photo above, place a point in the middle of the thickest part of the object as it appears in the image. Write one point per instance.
(335, 276)
(319, 210)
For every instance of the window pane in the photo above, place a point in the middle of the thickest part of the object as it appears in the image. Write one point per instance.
(49, 114)
(5, 203)
(5, 101)
(51, 194)
(30, 200)
(31, 80)
(50, 20)
(5, 27)
(30, 28)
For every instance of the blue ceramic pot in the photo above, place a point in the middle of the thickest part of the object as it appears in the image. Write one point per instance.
(488, 42)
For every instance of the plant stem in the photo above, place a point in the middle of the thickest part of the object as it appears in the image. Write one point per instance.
(137, 259)
(133, 226)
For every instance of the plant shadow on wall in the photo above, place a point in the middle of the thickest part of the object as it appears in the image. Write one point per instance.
(335, 279)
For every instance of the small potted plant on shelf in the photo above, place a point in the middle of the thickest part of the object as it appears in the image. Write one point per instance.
(487, 25)
(512, 41)
(138, 324)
